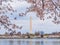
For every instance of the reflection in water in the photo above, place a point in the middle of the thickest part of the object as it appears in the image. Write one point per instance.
(56, 42)
(37, 42)
(30, 42)
(42, 42)
(27, 42)
(11, 42)
(18, 42)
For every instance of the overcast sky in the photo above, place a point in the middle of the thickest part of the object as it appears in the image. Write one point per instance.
(37, 25)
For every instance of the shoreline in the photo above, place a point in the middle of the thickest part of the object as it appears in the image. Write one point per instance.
(29, 38)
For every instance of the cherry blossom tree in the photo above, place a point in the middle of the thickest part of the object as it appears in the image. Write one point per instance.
(4, 16)
(48, 8)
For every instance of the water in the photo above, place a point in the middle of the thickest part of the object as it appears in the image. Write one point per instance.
(29, 41)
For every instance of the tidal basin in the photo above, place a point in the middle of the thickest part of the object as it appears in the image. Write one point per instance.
(29, 41)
